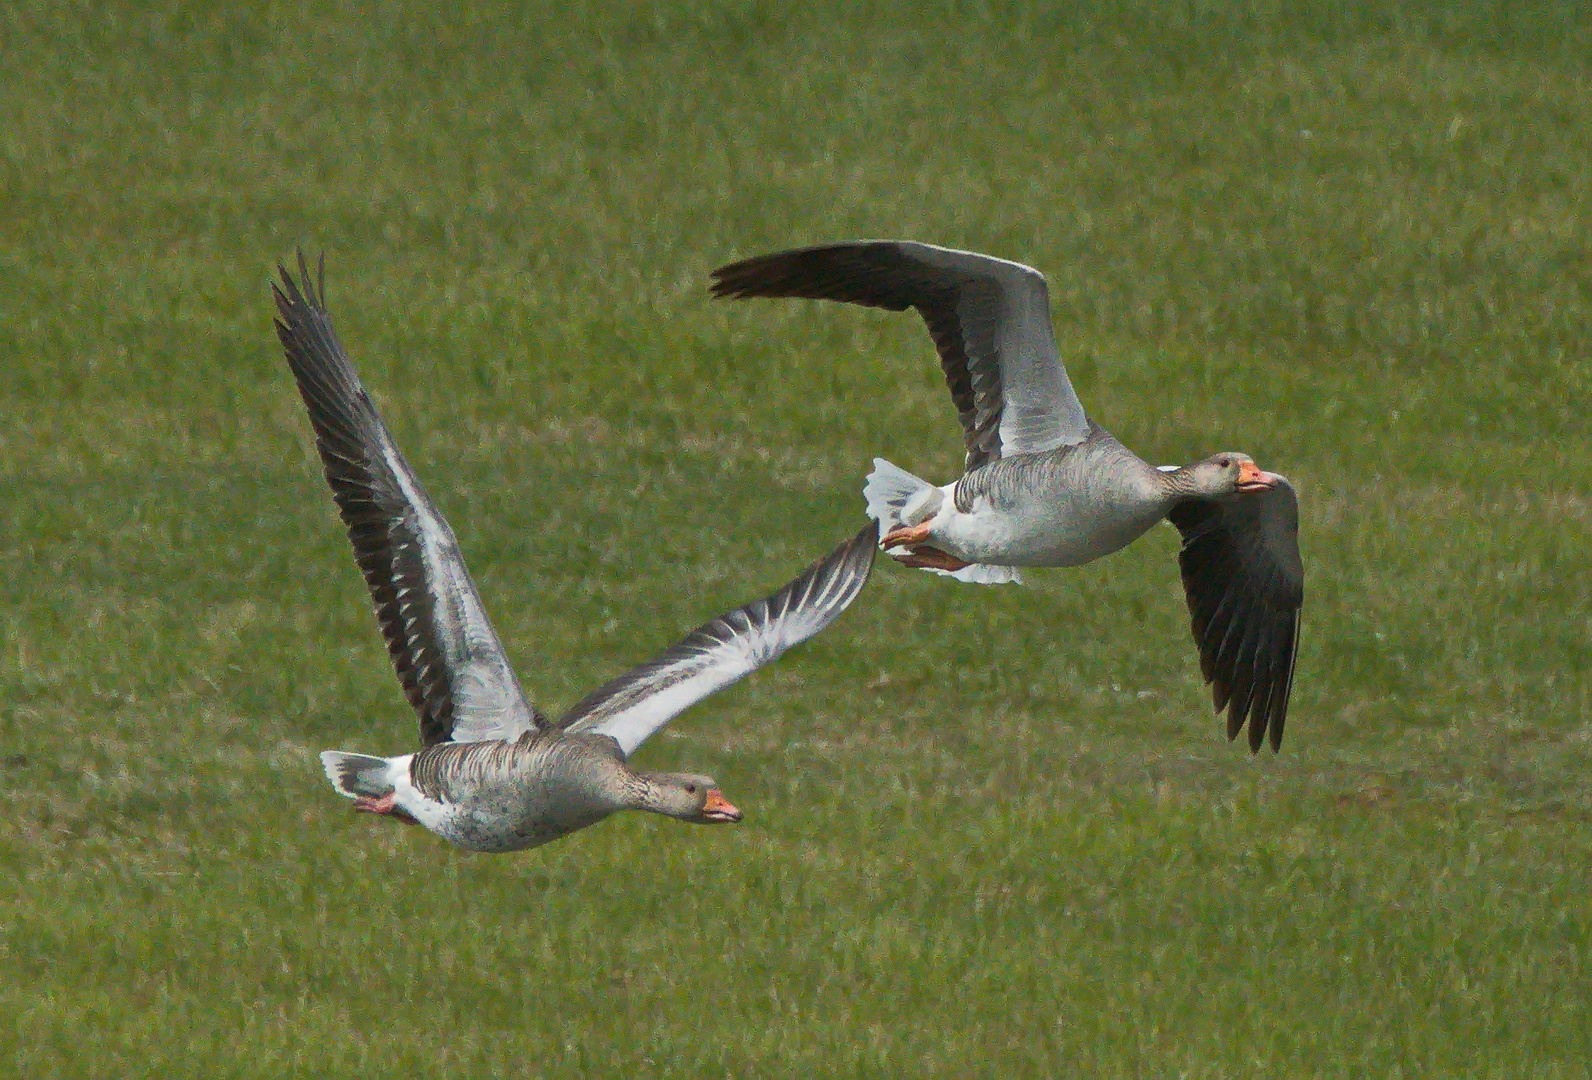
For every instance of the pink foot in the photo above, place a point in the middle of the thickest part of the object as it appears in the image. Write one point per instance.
(387, 804)
(906, 534)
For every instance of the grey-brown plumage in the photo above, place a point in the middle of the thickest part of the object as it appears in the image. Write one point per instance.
(1045, 486)
(449, 661)
(493, 773)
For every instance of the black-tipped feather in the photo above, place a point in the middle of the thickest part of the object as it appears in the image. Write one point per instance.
(990, 321)
(1244, 582)
(874, 275)
(722, 650)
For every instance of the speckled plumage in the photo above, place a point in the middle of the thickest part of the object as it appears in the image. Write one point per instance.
(506, 796)
(494, 773)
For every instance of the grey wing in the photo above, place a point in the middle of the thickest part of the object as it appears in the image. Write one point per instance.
(448, 658)
(989, 318)
(1244, 582)
(714, 655)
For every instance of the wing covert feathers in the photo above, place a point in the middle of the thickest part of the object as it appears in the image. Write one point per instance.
(989, 318)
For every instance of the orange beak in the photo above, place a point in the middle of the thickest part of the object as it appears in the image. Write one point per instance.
(717, 809)
(1252, 479)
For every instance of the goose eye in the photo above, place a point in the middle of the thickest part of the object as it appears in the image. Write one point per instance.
(690, 789)
(1225, 463)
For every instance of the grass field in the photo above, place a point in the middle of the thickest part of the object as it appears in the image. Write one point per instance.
(990, 832)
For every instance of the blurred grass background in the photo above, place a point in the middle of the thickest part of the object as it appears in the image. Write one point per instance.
(990, 832)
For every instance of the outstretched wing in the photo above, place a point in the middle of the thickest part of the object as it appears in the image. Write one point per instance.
(989, 318)
(1244, 582)
(448, 659)
(717, 653)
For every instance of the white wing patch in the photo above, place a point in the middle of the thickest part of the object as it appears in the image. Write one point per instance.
(1042, 410)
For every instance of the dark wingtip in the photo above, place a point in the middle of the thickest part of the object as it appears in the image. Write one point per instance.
(304, 290)
(730, 282)
(1257, 733)
(865, 547)
(1265, 718)
(1279, 715)
(867, 540)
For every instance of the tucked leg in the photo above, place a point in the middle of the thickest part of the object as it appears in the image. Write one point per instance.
(929, 558)
(387, 804)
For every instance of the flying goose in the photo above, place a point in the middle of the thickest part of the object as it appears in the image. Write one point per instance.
(493, 773)
(1043, 485)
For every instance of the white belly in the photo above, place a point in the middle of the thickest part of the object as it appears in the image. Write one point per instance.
(504, 817)
(1065, 531)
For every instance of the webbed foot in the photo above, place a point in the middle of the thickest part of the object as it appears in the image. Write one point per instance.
(904, 535)
(387, 804)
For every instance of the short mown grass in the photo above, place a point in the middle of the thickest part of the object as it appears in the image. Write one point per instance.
(991, 832)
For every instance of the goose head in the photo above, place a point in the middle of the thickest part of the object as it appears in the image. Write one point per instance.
(689, 798)
(1226, 473)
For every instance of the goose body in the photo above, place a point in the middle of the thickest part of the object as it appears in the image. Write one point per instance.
(1043, 485)
(1064, 507)
(501, 796)
(493, 773)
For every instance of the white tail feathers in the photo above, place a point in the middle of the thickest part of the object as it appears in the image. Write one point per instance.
(895, 498)
(354, 775)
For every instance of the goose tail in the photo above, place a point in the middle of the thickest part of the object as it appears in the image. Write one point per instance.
(895, 497)
(356, 775)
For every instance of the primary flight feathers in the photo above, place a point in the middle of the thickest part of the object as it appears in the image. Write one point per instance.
(989, 318)
(718, 652)
(448, 658)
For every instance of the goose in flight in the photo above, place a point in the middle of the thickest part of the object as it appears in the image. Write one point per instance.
(1043, 485)
(493, 773)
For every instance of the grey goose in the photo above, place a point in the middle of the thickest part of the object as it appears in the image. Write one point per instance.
(1042, 484)
(493, 773)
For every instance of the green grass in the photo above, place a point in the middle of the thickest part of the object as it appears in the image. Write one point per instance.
(990, 832)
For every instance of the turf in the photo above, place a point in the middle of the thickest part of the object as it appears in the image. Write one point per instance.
(990, 832)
